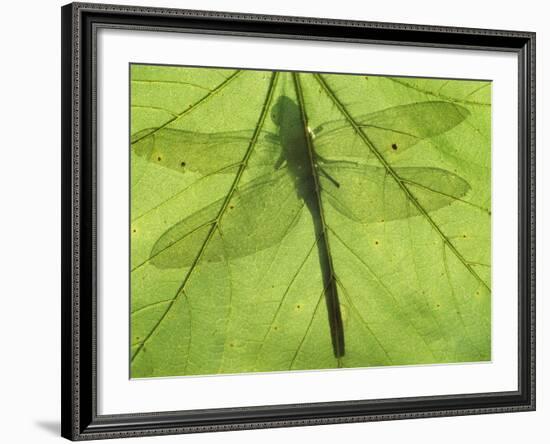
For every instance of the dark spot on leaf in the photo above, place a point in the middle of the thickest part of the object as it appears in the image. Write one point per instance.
(134, 230)
(182, 164)
(464, 236)
(231, 345)
(159, 158)
(231, 207)
(376, 242)
(298, 306)
(275, 328)
(394, 146)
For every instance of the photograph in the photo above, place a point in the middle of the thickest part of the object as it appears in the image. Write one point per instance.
(288, 220)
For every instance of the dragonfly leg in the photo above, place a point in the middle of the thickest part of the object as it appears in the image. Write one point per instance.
(337, 162)
(328, 176)
(281, 162)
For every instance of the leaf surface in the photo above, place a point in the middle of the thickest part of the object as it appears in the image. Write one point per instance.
(244, 183)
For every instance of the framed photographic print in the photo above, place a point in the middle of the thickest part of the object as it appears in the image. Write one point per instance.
(277, 221)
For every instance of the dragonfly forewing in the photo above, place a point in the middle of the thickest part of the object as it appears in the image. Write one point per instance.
(204, 153)
(392, 130)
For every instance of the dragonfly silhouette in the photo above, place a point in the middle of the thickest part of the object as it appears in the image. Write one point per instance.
(307, 169)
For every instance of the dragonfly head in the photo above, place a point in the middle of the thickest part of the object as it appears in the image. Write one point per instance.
(285, 110)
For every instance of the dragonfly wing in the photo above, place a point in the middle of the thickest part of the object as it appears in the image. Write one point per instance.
(203, 152)
(372, 194)
(256, 217)
(392, 130)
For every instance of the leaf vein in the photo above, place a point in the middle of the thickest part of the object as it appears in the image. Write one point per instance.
(263, 113)
(439, 96)
(194, 106)
(410, 196)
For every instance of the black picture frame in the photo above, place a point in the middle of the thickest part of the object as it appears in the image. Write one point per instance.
(80, 420)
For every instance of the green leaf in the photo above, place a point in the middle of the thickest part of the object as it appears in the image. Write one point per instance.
(286, 221)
